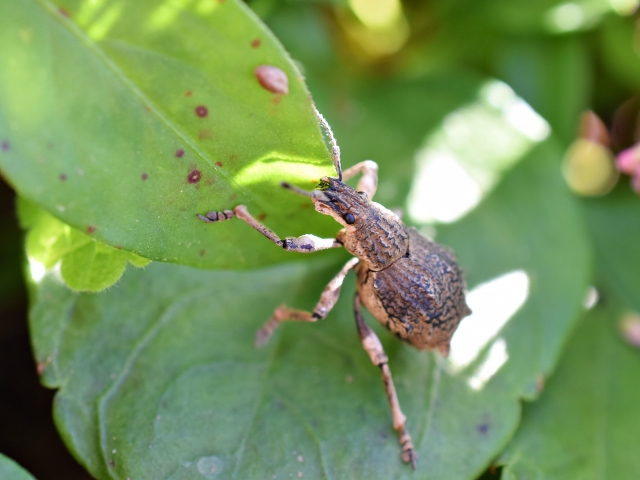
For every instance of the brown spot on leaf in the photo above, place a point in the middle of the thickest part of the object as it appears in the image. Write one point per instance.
(62, 177)
(219, 164)
(91, 229)
(273, 79)
(201, 111)
(64, 12)
(119, 247)
(305, 205)
(483, 428)
(232, 197)
(179, 153)
(5, 146)
(144, 176)
(40, 366)
(205, 134)
(188, 93)
(262, 216)
(256, 43)
(233, 157)
(202, 253)
(194, 176)
(276, 99)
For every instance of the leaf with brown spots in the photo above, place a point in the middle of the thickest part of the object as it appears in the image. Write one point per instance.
(104, 95)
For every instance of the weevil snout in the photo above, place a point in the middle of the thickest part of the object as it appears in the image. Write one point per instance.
(332, 197)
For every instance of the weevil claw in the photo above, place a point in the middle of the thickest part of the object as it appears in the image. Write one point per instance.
(262, 337)
(410, 456)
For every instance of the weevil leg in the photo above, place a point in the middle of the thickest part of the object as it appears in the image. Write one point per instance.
(368, 183)
(327, 301)
(371, 344)
(303, 244)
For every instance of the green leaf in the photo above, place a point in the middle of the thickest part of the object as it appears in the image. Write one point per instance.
(10, 470)
(85, 263)
(132, 117)
(158, 377)
(585, 424)
(553, 75)
(614, 228)
(619, 45)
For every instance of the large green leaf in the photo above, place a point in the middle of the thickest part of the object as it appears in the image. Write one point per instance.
(585, 425)
(10, 470)
(126, 119)
(158, 377)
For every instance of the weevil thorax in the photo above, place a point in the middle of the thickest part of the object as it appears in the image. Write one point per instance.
(372, 233)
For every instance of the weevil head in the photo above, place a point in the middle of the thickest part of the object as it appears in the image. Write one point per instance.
(346, 205)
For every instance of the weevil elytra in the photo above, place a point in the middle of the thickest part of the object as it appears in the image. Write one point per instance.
(410, 284)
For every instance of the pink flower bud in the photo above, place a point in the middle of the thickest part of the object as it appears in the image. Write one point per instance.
(593, 129)
(628, 161)
(635, 183)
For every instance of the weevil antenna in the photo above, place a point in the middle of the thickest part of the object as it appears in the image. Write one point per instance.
(296, 189)
(335, 149)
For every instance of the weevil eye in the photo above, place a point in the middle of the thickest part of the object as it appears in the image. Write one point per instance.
(350, 219)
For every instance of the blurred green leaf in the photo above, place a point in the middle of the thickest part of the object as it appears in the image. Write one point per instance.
(553, 75)
(615, 230)
(545, 16)
(585, 425)
(388, 121)
(619, 51)
(85, 263)
(10, 470)
(132, 117)
(158, 377)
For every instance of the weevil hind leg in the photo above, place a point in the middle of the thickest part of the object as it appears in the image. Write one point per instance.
(302, 244)
(373, 347)
(368, 183)
(328, 299)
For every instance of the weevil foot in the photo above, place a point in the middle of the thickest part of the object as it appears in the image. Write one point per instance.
(211, 217)
(263, 335)
(409, 455)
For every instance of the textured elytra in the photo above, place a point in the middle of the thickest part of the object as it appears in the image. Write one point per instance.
(410, 284)
(420, 297)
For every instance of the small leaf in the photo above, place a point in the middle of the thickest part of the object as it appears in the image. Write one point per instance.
(85, 263)
(10, 470)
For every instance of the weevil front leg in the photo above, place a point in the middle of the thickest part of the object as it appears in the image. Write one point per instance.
(303, 244)
(327, 301)
(371, 344)
(368, 183)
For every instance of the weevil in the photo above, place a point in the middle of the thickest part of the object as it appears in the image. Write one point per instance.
(409, 283)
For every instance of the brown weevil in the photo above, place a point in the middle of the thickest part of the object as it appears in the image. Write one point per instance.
(410, 284)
